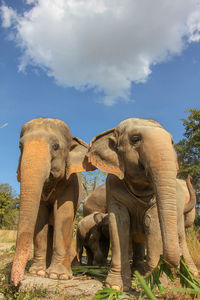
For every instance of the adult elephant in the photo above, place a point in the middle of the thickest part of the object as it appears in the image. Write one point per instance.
(140, 157)
(50, 189)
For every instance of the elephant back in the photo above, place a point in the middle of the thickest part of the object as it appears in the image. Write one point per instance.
(96, 201)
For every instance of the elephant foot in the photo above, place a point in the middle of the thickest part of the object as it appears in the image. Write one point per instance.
(38, 268)
(118, 282)
(59, 271)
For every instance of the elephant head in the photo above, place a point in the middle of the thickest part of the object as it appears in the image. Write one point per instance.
(48, 154)
(140, 152)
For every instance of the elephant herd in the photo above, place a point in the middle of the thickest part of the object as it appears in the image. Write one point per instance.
(142, 205)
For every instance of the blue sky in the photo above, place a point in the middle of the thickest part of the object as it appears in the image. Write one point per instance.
(161, 84)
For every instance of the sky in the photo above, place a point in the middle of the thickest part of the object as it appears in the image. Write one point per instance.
(95, 63)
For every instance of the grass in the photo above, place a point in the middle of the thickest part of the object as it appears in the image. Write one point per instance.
(193, 245)
(8, 236)
(4, 239)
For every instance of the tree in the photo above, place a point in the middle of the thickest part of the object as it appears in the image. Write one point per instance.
(90, 180)
(9, 207)
(188, 150)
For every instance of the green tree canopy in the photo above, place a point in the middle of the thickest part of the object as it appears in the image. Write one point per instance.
(9, 206)
(188, 150)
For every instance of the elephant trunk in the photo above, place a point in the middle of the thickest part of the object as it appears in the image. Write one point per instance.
(35, 169)
(160, 160)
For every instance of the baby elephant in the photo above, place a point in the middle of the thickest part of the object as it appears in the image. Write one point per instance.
(93, 234)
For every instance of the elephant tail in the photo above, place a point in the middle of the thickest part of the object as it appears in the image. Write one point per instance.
(191, 204)
(79, 246)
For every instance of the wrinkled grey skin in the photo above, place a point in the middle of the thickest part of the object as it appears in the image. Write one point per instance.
(93, 235)
(141, 160)
(50, 191)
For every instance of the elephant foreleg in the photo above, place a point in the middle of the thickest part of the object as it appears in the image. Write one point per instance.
(60, 267)
(40, 242)
(119, 276)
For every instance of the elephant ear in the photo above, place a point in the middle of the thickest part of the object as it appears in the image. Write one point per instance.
(18, 170)
(103, 153)
(78, 161)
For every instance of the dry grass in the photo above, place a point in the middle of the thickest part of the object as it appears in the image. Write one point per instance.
(193, 245)
(8, 236)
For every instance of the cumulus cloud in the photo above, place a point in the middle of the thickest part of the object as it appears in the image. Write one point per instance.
(103, 45)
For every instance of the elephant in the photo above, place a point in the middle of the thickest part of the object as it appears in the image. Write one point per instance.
(50, 192)
(93, 234)
(95, 201)
(141, 161)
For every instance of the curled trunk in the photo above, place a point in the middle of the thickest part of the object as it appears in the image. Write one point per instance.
(35, 167)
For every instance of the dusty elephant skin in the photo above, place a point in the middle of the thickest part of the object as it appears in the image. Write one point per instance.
(50, 191)
(95, 201)
(93, 235)
(141, 160)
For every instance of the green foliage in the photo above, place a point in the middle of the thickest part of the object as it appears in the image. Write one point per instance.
(91, 180)
(188, 282)
(109, 294)
(188, 150)
(9, 206)
(186, 277)
(144, 286)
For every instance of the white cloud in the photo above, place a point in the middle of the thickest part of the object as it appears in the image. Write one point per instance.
(9, 16)
(102, 44)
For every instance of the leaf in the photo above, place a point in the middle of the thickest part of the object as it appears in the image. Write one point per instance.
(108, 293)
(143, 284)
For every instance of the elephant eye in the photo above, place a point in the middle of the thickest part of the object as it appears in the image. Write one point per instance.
(135, 139)
(55, 146)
